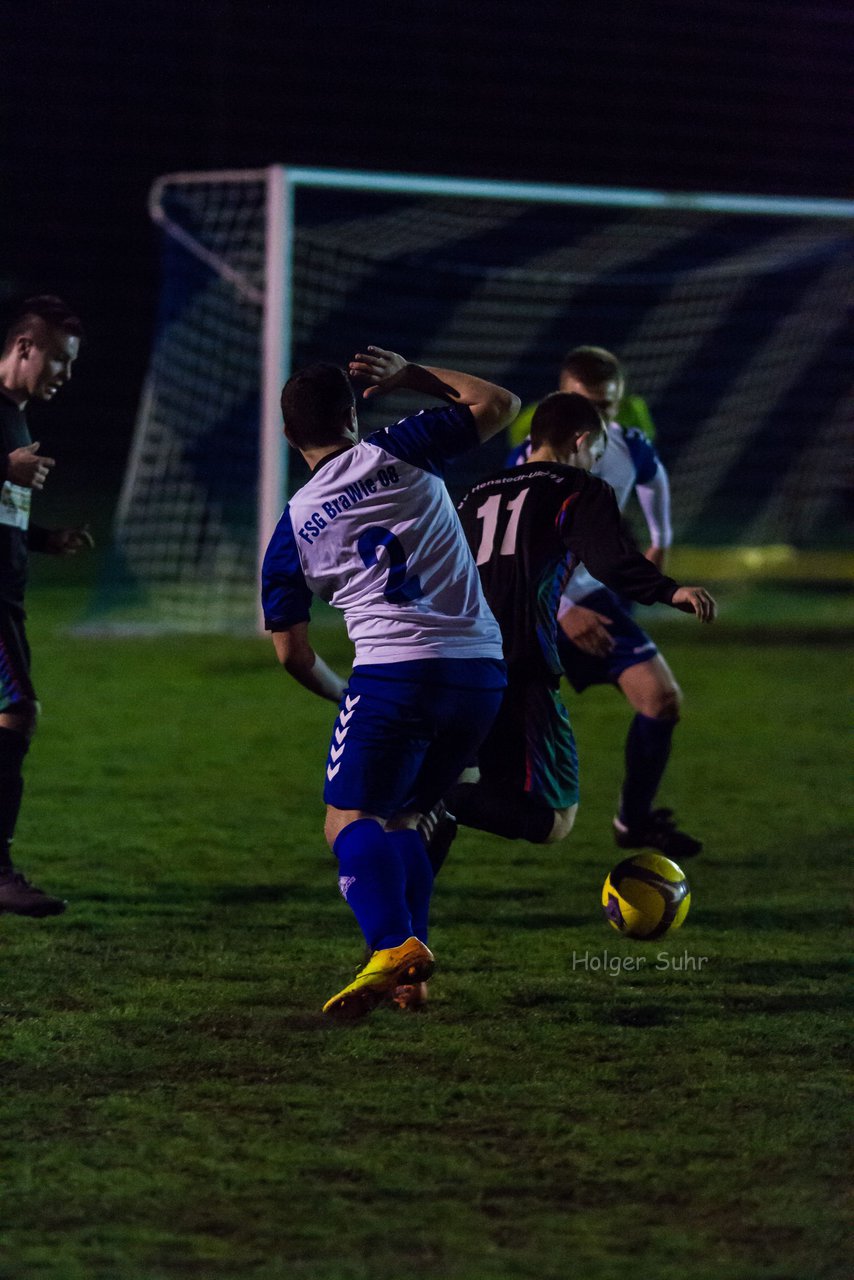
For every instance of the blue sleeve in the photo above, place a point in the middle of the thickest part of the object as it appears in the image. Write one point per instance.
(519, 456)
(430, 438)
(642, 454)
(285, 594)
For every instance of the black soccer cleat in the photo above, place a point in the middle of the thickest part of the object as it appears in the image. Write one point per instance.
(438, 829)
(658, 831)
(21, 898)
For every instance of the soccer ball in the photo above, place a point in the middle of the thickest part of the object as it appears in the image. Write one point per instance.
(645, 896)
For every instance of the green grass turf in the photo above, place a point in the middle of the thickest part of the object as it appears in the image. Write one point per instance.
(172, 1103)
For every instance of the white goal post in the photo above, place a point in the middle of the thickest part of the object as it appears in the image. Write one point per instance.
(264, 268)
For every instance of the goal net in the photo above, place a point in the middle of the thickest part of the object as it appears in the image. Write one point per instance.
(732, 316)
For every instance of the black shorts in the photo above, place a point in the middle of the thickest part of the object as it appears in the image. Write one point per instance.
(15, 683)
(531, 747)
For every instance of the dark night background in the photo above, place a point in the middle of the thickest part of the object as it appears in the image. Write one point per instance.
(744, 96)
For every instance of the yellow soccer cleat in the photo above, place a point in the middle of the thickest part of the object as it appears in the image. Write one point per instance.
(410, 963)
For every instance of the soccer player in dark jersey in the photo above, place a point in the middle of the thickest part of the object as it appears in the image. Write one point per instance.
(40, 344)
(528, 527)
(374, 532)
(599, 642)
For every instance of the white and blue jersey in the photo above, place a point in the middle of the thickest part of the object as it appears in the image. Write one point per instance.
(629, 463)
(374, 532)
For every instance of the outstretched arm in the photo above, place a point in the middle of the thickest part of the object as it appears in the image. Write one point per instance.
(491, 406)
(590, 527)
(695, 600)
(299, 659)
(61, 542)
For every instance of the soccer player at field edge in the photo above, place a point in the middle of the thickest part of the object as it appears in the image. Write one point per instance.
(374, 532)
(40, 344)
(599, 642)
(520, 524)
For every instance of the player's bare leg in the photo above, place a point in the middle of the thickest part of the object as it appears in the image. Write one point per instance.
(652, 690)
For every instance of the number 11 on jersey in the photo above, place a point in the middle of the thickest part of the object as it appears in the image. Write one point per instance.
(489, 513)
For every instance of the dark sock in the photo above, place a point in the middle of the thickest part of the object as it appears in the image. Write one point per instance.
(13, 748)
(439, 844)
(515, 815)
(372, 880)
(647, 751)
(419, 877)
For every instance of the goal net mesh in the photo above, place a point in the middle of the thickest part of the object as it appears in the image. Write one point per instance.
(735, 329)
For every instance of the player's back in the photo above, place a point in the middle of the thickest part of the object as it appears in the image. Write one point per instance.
(374, 533)
(512, 521)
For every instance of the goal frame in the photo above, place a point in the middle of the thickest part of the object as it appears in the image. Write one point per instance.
(282, 183)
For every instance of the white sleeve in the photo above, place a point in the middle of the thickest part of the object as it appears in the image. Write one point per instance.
(581, 584)
(654, 499)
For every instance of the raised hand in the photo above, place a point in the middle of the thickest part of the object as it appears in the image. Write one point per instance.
(382, 370)
(26, 467)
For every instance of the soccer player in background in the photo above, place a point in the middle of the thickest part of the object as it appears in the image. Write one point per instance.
(599, 642)
(40, 344)
(521, 524)
(374, 533)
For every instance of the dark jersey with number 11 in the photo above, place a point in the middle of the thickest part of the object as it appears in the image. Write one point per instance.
(528, 527)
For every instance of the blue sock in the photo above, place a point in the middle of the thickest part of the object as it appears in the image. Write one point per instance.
(372, 880)
(419, 877)
(647, 752)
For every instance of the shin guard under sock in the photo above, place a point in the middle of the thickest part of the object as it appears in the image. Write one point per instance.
(372, 880)
(419, 877)
(647, 752)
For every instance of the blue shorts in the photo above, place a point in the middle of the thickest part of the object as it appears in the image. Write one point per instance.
(406, 730)
(632, 645)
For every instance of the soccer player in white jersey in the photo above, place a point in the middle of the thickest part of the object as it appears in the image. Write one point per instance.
(599, 642)
(374, 533)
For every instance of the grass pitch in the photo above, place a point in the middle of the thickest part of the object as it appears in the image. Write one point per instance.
(173, 1104)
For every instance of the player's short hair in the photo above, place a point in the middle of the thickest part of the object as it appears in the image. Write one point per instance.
(316, 404)
(562, 416)
(592, 365)
(18, 317)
